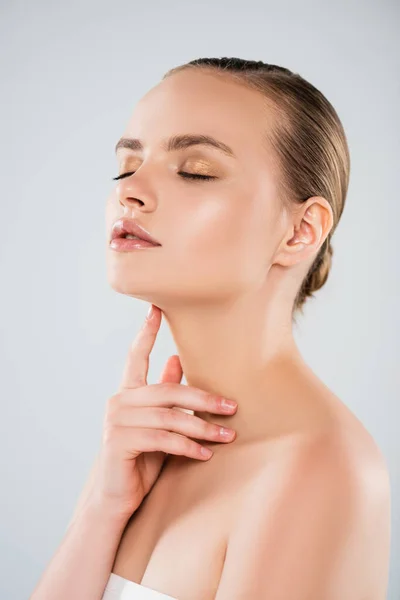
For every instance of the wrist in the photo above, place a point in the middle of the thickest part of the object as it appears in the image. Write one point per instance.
(106, 511)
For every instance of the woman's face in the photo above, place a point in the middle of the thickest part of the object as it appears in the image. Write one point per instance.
(217, 236)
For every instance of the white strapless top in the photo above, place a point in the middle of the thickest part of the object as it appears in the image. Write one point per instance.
(119, 588)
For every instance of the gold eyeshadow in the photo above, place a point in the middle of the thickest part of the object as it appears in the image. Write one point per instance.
(199, 166)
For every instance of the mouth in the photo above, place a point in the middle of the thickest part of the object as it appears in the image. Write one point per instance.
(131, 232)
(130, 242)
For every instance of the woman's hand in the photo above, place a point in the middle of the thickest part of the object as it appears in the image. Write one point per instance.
(141, 425)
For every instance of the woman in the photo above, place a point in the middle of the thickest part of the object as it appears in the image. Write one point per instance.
(236, 172)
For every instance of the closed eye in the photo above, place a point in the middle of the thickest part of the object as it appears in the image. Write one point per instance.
(181, 173)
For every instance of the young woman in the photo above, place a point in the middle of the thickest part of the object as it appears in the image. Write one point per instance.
(233, 174)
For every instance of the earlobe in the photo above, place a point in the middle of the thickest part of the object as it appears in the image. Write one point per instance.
(291, 251)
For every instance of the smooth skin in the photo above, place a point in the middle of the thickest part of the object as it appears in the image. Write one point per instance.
(297, 505)
(225, 277)
(141, 427)
(312, 501)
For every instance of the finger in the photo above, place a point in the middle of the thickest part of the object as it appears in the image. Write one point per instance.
(137, 362)
(172, 372)
(149, 417)
(160, 440)
(172, 395)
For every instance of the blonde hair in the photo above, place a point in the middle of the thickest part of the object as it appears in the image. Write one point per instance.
(308, 141)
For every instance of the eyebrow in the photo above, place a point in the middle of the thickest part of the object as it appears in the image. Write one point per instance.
(178, 142)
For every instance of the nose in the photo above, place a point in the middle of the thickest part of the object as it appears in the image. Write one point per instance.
(130, 202)
(132, 192)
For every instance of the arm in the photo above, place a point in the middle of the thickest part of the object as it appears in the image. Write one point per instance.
(85, 493)
(311, 533)
(83, 562)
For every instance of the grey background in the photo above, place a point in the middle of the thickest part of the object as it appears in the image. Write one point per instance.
(70, 76)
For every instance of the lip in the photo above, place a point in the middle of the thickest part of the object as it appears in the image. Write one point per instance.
(124, 245)
(124, 226)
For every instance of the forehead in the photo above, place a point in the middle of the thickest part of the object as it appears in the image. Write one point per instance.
(202, 103)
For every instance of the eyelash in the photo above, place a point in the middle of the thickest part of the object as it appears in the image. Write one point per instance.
(181, 173)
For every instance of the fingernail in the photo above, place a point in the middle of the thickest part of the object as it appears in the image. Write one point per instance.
(228, 404)
(150, 313)
(206, 451)
(226, 433)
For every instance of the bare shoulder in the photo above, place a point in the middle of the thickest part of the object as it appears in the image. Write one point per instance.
(335, 447)
(341, 452)
(327, 431)
(321, 510)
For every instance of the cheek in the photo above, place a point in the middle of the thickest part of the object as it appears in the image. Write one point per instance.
(222, 237)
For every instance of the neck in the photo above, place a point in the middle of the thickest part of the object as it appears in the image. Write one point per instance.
(237, 350)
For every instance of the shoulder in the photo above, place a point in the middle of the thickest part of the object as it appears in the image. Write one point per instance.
(319, 511)
(328, 441)
(346, 464)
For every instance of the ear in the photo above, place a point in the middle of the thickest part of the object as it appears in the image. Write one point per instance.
(311, 222)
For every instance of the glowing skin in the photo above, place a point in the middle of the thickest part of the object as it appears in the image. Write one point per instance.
(231, 259)
(298, 489)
